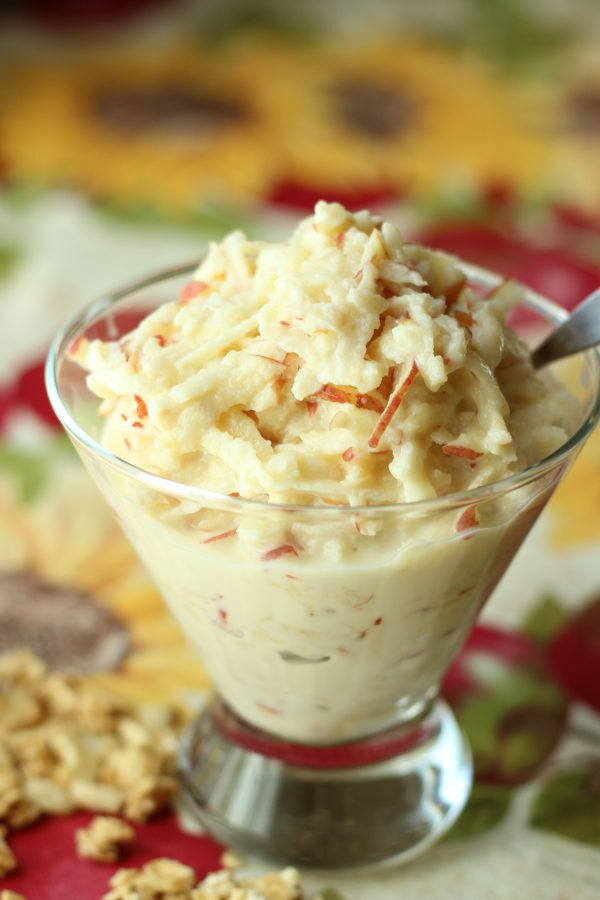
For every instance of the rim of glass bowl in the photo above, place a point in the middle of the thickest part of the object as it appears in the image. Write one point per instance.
(476, 276)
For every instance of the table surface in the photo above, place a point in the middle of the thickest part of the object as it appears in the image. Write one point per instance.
(133, 166)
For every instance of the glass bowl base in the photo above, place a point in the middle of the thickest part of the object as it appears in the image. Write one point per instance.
(382, 799)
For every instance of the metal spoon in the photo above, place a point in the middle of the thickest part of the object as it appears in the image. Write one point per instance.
(580, 331)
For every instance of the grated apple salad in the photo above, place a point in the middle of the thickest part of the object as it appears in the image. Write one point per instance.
(339, 367)
(338, 370)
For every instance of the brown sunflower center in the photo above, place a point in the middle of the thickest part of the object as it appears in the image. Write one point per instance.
(170, 109)
(68, 629)
(584, 109)
(374, 110)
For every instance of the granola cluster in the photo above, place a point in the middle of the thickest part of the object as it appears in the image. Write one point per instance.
(8, 860)
(169, 878)
(103, 839)
(68, 744)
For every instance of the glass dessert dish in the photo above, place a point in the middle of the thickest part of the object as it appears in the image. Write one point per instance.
(326, 742)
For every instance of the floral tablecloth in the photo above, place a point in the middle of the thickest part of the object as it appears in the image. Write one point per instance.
(132, 133)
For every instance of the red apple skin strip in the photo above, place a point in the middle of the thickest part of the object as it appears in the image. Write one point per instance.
(387, 384)
(463, 318)
(394, 403)
(74, 346)
(269, 709)
(192, 289)
(272, 359)
(334, 394)
(220, 537)
(276, 552)
(142, 409)
(364, 401)
(467, 519)
(348, 454)
(465, 452)
(453, 292)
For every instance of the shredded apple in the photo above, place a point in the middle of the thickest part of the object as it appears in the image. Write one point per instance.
(341, 366)
(335, 371)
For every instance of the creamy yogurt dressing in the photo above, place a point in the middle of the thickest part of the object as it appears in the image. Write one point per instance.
(328, 646)
(340, 368)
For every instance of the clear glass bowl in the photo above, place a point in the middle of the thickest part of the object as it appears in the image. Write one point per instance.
(325, 630)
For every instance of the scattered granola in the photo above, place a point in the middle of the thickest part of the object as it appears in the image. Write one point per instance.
(8, 860)
(67, 744)
(223, 885)
(104, 839)
(169, 878)
(230, 860)
(157, 879)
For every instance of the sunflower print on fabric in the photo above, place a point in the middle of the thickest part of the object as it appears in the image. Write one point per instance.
(187, 126)
(172, 130)
(569, 119)
(72, 587)
(407, 114)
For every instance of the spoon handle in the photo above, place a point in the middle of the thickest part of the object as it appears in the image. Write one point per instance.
(580, 331)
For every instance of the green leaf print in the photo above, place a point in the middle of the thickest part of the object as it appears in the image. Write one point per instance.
(328, 893)
(545, 619)
(486, 807)
(503, 696)
(569, 804)
(31, 469)
(9, 257)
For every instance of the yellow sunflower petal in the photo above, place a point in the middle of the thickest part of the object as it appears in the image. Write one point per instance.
(396, 111)
(175, 129)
